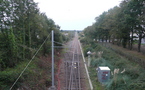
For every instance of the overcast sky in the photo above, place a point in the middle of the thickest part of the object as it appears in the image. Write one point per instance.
(75, 14)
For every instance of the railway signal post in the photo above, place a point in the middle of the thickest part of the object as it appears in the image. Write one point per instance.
(89, 59)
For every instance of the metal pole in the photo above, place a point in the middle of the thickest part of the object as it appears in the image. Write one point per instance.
(52, 41)
(52, 59)
(89, 60)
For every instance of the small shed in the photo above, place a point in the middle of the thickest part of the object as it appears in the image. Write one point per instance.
(103, 74)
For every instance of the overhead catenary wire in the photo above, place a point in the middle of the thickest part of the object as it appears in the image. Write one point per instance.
(29, 63)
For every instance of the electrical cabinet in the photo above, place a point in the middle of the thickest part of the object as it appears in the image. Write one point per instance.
(103, 74)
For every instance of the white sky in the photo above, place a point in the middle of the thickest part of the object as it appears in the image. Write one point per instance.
(75, 14)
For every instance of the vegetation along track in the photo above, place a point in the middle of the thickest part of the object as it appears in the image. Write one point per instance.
(72, 67)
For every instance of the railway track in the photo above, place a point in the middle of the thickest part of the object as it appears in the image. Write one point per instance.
(72, 66)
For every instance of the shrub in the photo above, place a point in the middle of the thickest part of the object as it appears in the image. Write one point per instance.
(131, 79)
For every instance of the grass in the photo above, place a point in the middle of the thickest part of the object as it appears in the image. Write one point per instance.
(131, 79)
(8, 76)
(133, 53)
(34, 77)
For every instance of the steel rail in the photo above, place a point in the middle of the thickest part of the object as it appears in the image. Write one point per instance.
(72, 66)
(79, 81)
(72, 69)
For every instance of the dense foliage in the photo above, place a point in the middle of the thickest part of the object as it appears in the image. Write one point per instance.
(118, 24)
(23, 28)
(126, 73)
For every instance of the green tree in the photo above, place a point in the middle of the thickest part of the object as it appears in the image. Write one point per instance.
(23, 29)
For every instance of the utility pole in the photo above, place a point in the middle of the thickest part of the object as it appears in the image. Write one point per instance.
(52, 58)
(52, 39)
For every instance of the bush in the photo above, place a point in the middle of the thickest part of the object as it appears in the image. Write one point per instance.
(8, 77)
(86, 49)
(131, 79)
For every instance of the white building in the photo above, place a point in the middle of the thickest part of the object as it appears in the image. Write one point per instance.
(137, 38)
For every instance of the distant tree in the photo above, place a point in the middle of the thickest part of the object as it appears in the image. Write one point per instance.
(136, 8)
(90, 33)
(111, 24)
(120, 23)
(102, 30)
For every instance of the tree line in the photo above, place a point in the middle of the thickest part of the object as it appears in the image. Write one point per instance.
(118, 24)
(23, 28)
